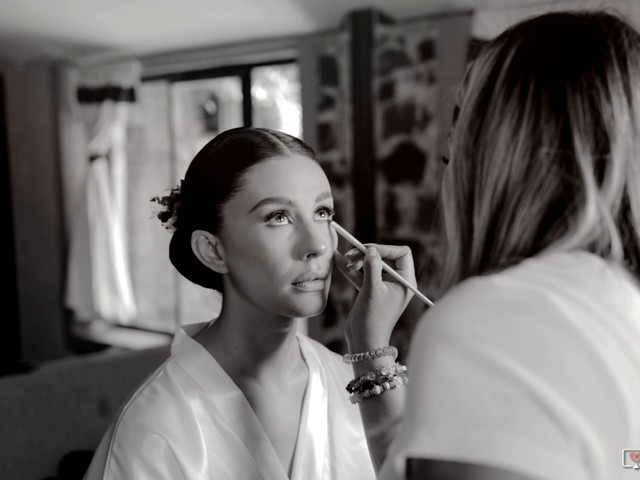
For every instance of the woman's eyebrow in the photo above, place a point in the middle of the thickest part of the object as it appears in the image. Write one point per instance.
(286, 201)
(323, 196)
(272, 200)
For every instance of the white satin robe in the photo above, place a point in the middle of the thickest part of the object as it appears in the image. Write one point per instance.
(189, 420)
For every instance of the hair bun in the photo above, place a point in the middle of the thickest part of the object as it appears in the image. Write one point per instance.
(170, 203)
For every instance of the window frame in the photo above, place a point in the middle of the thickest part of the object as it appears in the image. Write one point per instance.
(242, 70)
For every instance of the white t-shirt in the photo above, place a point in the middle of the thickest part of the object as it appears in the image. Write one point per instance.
(535, 369)
(189, 421)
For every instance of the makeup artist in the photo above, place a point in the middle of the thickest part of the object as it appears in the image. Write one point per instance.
(529, 366)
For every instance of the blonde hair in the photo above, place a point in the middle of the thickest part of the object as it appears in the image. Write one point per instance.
(545, 151)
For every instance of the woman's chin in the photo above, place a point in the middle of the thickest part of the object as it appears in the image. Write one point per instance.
(311, 307)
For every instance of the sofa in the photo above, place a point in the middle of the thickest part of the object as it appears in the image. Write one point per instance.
(53, 416)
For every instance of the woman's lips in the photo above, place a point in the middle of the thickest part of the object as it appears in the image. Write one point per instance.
(311, 282)
(311, 285)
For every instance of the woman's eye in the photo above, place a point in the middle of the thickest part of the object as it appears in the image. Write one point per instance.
(324, 213)
(277, 218)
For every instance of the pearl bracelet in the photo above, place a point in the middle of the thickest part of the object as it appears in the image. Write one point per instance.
(387, 351)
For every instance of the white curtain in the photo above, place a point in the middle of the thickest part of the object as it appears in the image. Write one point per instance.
(93, 117)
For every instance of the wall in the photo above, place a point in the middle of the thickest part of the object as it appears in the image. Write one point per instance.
(491, 21)
(35, 196)
(368, 88)
(416, 67)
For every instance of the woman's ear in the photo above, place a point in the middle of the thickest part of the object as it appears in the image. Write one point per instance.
(209, 250)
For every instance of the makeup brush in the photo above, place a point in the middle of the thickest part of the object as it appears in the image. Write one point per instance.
(354, 241)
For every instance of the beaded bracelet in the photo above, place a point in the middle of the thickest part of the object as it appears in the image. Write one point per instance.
(397, 381)
(387, 351)
(375, 377)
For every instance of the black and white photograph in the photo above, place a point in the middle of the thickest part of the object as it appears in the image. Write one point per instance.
(320, 239)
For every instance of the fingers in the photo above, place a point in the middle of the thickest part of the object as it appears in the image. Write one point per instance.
(398, 257)
(351, 274)
(372, 269)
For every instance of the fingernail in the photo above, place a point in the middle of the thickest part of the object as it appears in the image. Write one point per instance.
(355, 265)
(351, 252)
(371, 252)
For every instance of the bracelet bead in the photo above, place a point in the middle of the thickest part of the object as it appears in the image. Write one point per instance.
(376, 382)
(375, 377)
(388, 351)
(357, 397)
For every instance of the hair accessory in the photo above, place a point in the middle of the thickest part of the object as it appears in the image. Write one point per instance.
(388, 351)
(377, 382)
(171, 204)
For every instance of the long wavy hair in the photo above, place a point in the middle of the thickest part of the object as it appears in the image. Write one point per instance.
(545, 150)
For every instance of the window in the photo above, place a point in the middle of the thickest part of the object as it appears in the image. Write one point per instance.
(174, 117)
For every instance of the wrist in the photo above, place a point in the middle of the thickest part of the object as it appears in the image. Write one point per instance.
(385, 351)
(377, 381)
(371, 359)
(361, 368)
(362, 340)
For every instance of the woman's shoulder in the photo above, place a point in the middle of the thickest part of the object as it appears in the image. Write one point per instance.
(550, 295)
(158, 401)
(477, 299)
(149, 428)
(572, 275)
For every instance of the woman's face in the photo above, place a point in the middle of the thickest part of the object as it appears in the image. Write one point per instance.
(276, 236)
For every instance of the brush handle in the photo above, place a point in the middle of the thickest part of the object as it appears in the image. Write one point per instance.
(360, 246)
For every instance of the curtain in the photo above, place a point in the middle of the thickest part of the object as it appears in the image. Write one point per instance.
(93, 122)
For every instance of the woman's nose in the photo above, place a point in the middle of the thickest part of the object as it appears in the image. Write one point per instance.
(316, 251)
(315, 241)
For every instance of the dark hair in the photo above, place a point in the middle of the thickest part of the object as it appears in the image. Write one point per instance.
(213, 177)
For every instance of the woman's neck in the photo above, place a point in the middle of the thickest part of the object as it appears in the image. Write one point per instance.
(260, 353)
(251, 344)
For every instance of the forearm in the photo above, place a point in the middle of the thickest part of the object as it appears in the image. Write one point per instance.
(368, 327)
(380, 413)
